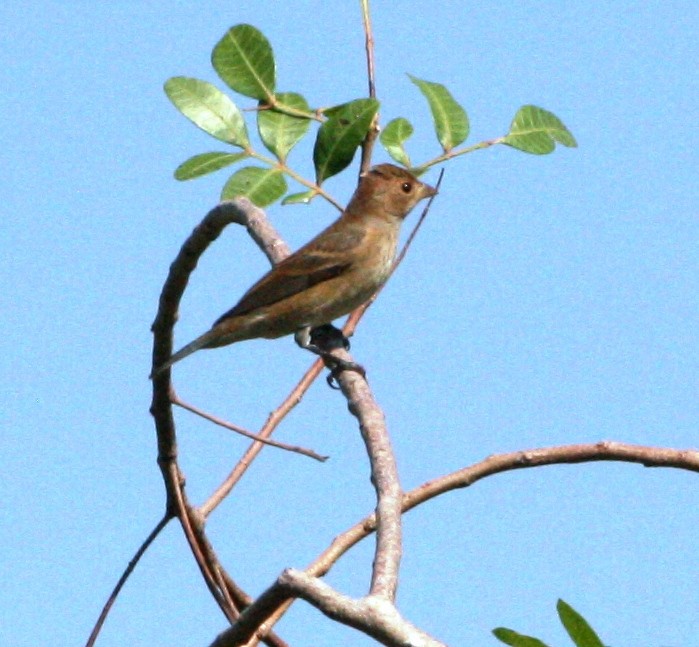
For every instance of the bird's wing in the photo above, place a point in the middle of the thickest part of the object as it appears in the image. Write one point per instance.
(322, 259)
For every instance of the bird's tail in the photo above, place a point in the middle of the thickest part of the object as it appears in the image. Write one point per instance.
(193, 346)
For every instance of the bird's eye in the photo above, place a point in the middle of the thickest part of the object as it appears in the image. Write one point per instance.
(407, 187)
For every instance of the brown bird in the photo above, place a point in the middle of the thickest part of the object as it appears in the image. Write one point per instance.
(336, 272)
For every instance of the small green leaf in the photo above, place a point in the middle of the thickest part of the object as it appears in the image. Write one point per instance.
(262, 186)
(299, 198)
(514, 639)
(206, 163)
(340, 135)
(535, 130)
(244, 59)
(207, 107)
(392, 137)
(577, 627)
(450, 119)
(280, 132)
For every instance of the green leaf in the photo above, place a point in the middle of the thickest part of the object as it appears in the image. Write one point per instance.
(244, 59)
(340, 135)
(577, 627)
(535, 130)
(206, 163)
(207, 107)
(392, 137)
(299, 198)
(514, 639)
(450, 119)
(280, 132)
(262, 186)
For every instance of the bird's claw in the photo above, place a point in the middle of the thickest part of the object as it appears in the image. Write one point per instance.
(338, 366)
(324, 339)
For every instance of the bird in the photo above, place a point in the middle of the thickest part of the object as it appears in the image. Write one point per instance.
(330, 276)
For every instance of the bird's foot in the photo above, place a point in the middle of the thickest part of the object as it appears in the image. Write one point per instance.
(337, 366)
(321, 341)
(328, 337)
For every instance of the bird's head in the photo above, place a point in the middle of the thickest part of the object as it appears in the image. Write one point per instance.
(390, 190)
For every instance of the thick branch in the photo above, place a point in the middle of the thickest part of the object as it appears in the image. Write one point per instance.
(372, 615)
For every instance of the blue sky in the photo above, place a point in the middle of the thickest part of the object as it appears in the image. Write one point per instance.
(548, 300)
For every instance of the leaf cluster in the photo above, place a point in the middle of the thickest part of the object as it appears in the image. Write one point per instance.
(245, 61)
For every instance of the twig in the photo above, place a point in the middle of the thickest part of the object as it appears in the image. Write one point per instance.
(369, 48)
(372, 133)
(176, 400)
(242, 212)
(124, 577)
(268, 428)
(687, 459)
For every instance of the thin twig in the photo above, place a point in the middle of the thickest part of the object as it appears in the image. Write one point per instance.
(369, 48)
(273, 421)
(372, 133)
(356, 316)
(124, 577)
(176, 400)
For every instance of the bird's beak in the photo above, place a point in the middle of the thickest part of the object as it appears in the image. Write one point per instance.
(428, 190)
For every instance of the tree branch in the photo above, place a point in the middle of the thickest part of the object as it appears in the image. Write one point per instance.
(372, 615)
(228, 596)
(244, 432)
(384, 476)
(687, 459)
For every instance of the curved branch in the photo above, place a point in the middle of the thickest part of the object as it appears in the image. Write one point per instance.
(687, 459)
(242, 211)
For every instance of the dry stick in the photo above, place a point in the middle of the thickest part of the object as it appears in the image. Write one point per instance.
(384, 477)
(231, 589)
(501, 463)
(369, 47)
(193, 528)
(244, 432)
(125, 576)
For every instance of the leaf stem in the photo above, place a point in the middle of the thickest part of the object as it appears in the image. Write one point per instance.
(317, 190)
(461, 151)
